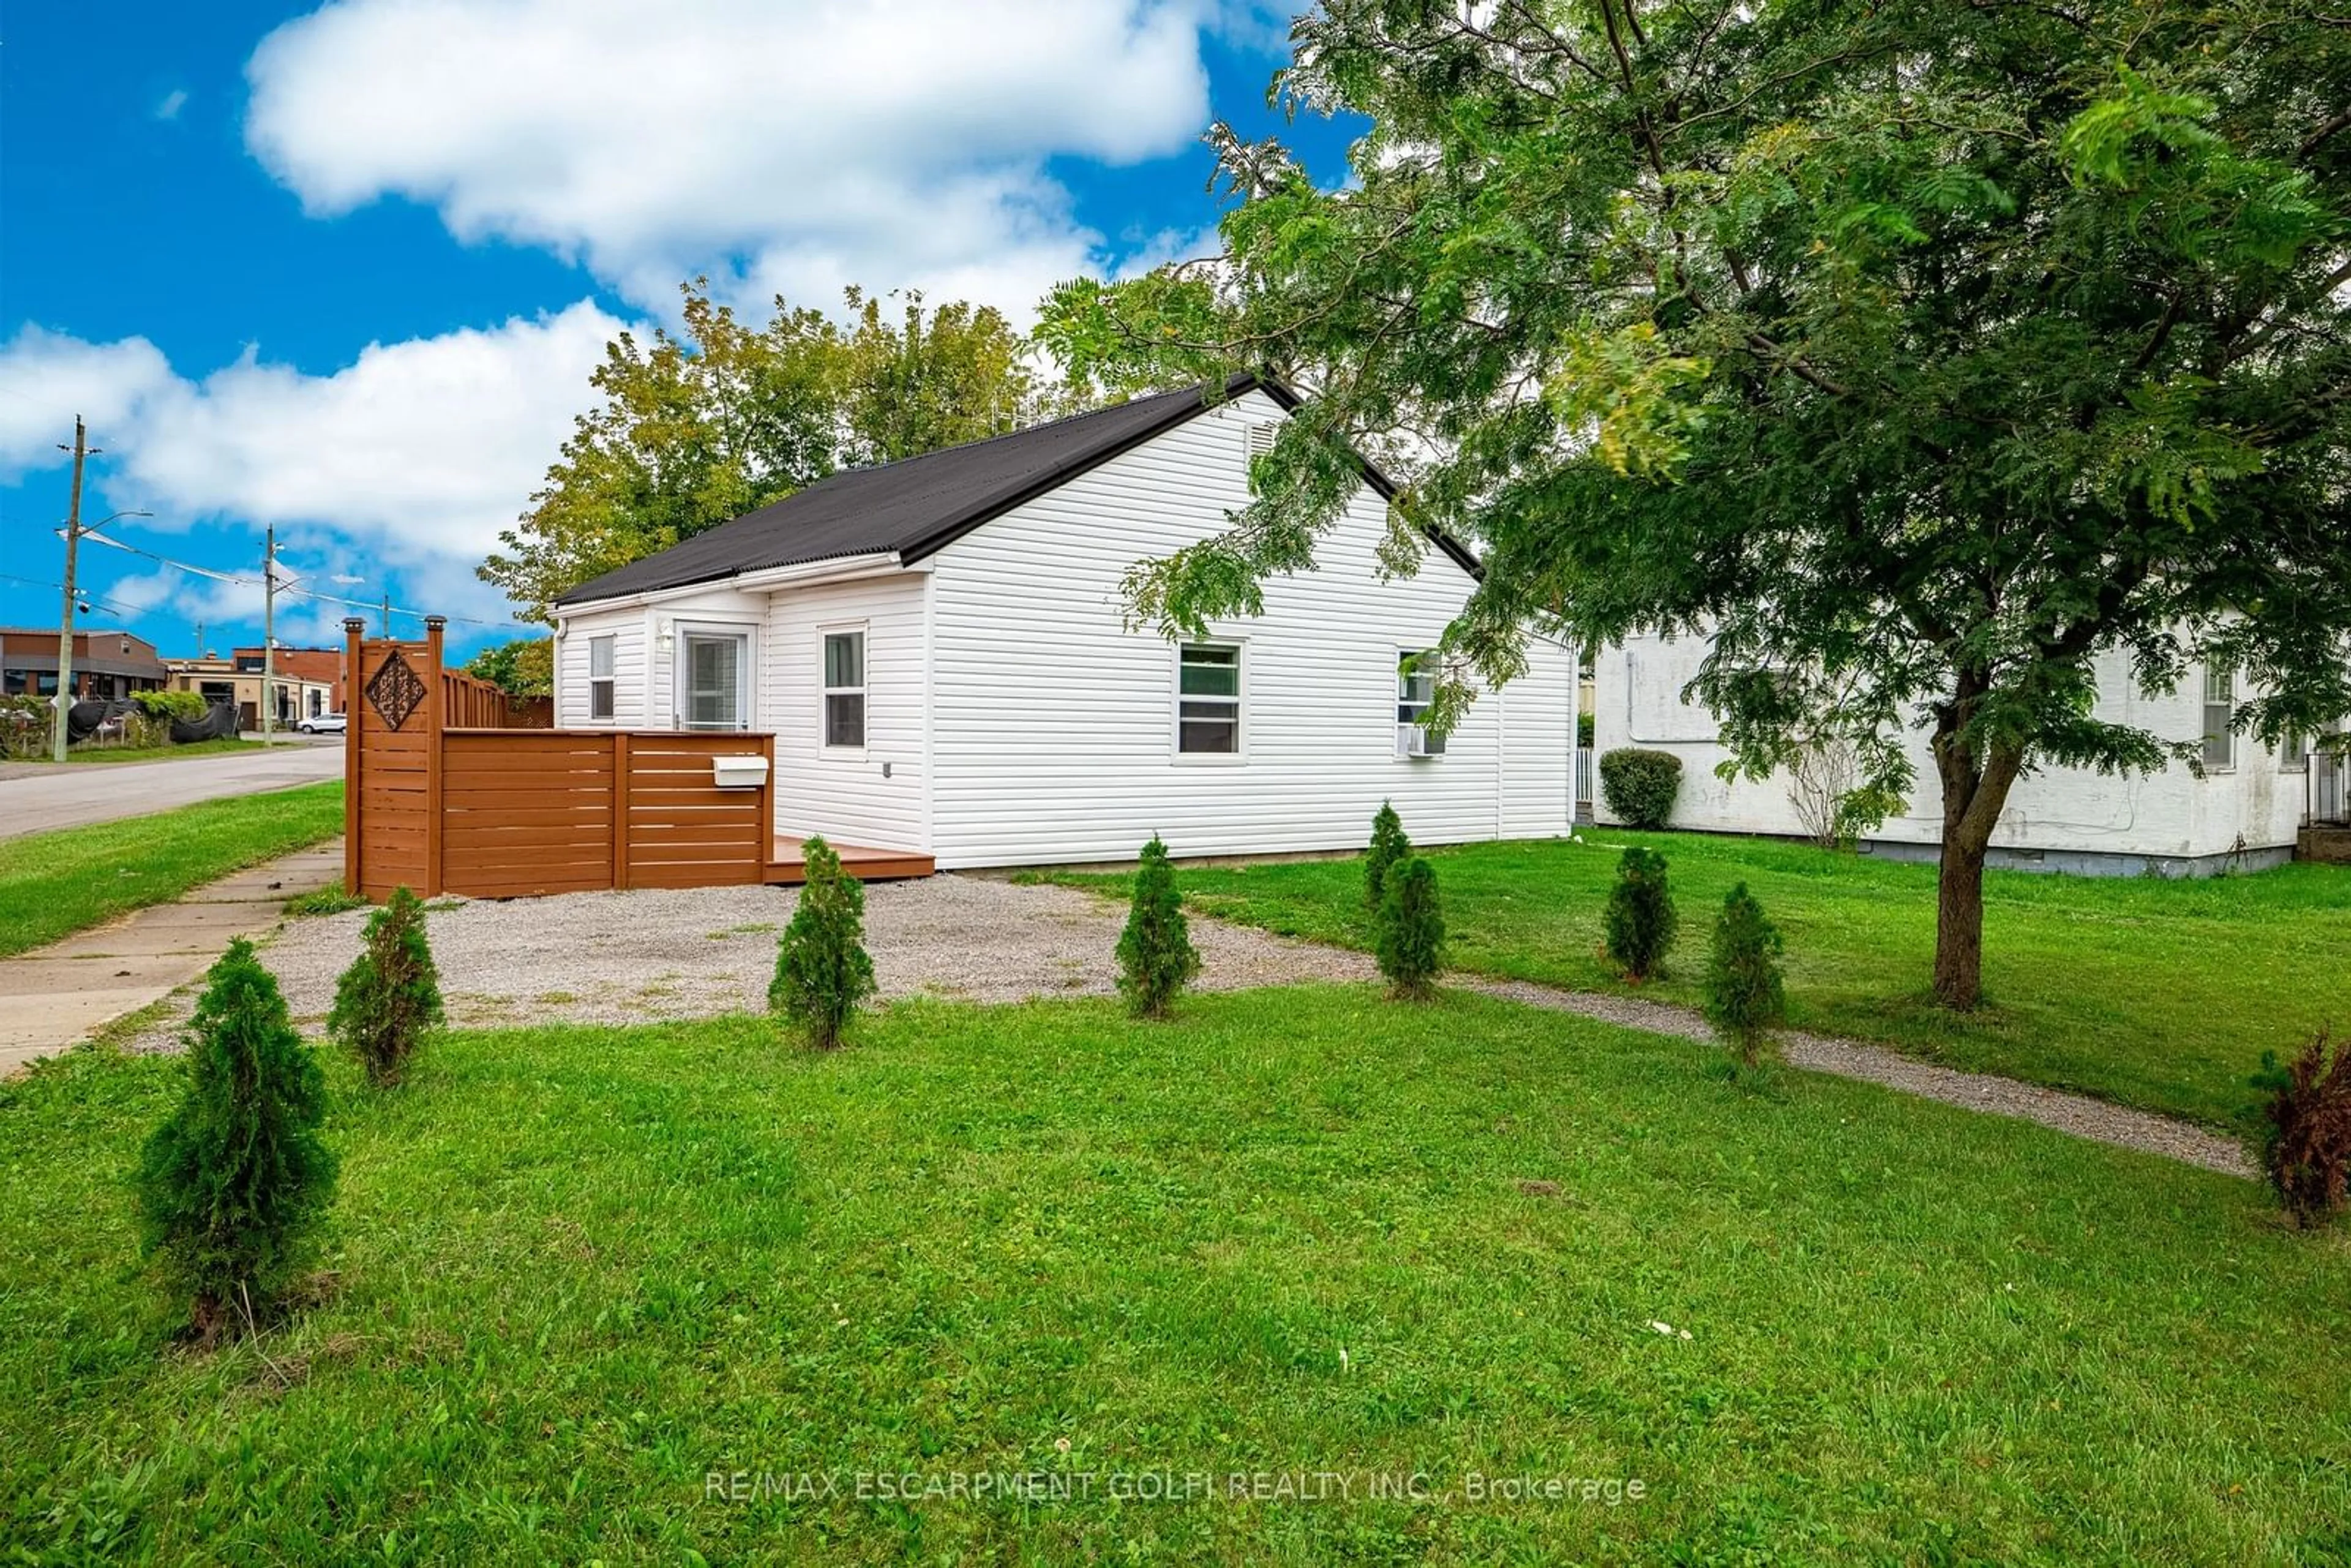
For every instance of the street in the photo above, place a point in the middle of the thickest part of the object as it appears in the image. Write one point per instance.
(36, 798)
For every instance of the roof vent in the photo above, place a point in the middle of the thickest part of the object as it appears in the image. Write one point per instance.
(1258, 441)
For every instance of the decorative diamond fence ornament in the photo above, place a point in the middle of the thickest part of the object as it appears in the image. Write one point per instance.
(395, 690)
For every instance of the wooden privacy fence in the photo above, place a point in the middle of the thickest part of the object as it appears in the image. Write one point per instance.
(477, 705)
(506, 812)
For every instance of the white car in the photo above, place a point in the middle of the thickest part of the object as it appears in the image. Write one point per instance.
(324, 723)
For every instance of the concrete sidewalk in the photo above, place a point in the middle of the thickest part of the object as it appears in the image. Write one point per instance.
(57, 995)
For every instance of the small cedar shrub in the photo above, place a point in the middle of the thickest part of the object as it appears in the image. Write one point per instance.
(2306, 1152)
(1746, 996)
(1389, 846)
(1640, 922)
(232, 1183)
(1411, 940)
(1155, 956)
(392, 993)
(822, 970)
(1640, 786)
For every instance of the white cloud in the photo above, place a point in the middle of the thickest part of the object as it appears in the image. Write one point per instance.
(46, 378)
(411, 458)
(173, 101)
(786, 144)
(1156, 250)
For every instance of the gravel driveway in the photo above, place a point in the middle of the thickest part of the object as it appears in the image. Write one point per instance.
(632, 958)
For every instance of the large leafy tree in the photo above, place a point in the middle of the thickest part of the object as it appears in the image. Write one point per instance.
(523, 667)
(1922, 353)
(725, 417)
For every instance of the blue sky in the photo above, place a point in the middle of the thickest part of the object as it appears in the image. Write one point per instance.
(344, 268)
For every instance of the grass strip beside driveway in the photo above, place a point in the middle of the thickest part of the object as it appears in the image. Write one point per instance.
(2156, 993)
(160, 753)
(53, 884)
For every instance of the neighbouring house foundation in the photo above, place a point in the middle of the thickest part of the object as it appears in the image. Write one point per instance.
(2098, 862)
(2327, 846)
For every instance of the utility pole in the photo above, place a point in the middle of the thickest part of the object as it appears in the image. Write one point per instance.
(384, 629)
(81, 451)
(268, 629)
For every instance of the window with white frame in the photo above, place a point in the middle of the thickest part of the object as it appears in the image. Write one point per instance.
(713, 668)
(844, 689)
(2293, 752)
(601, 703)
(1415, 689)
(1208, 699)
(2220, 706)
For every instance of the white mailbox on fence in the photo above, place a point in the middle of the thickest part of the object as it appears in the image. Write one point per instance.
(738, 772)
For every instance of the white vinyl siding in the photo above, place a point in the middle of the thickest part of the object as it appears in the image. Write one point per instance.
(576, 698)
(1051, 730)
(871, 794)
(706, 611)
(2053, 813)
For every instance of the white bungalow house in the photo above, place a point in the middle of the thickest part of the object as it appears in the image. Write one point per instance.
(2244, 813)
(939, 647)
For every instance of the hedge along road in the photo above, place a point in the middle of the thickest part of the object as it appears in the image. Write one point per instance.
(39, 798)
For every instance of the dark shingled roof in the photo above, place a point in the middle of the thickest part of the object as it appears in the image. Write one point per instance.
(920, 505)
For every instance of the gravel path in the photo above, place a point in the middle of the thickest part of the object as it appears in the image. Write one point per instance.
(638, 958)
(2075, 1113)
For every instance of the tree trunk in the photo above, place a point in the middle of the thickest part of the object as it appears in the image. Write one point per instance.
(208, 1320)
(1959, 924)
(1975, 792)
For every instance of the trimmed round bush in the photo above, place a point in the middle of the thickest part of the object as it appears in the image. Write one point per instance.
(1639, 786)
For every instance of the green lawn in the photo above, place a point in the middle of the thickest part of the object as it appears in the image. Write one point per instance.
(157, 753)
(52, 884)
(573, 1272)
(2160, 994)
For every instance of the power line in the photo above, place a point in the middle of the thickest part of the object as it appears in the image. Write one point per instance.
(98, 599)
(241, 581)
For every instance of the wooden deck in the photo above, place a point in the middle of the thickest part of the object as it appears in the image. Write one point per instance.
(788, 868)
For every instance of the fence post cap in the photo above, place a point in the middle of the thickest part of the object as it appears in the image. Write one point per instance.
(353, 624)
(435, 622)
